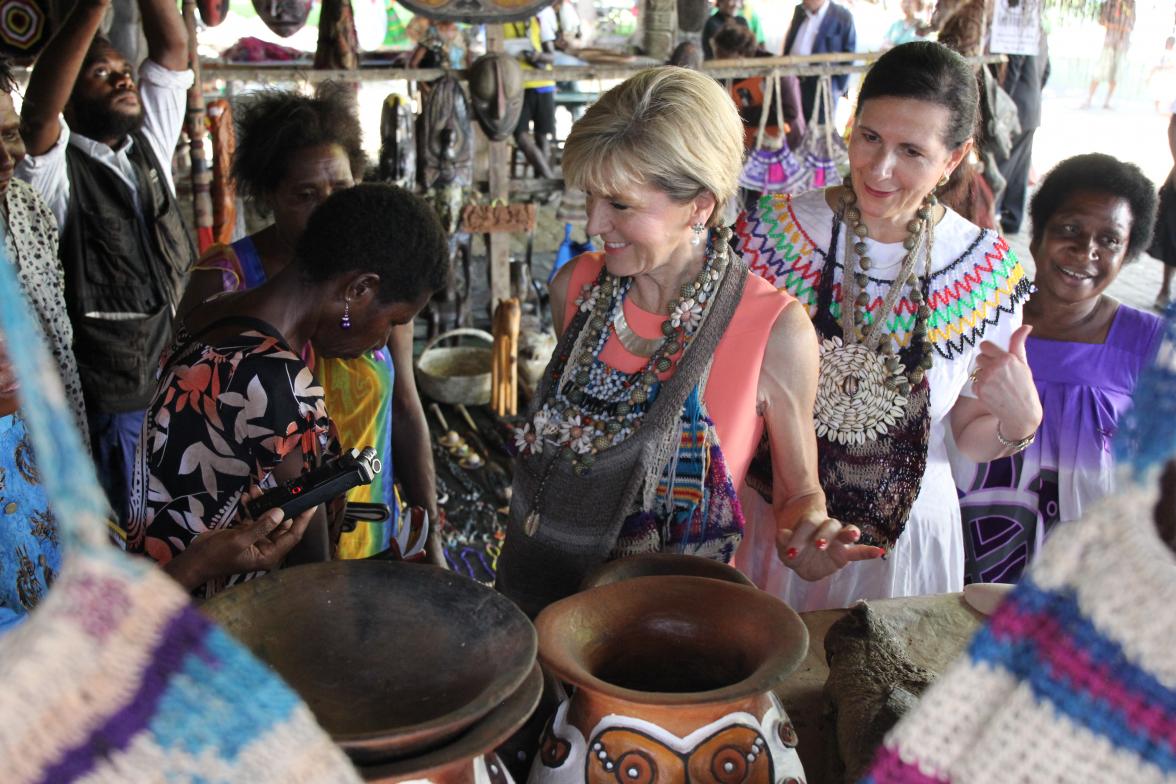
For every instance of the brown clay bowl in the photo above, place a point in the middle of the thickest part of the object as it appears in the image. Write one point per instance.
(392, 658)
(672, 640)
(482, 737)
(650, 564)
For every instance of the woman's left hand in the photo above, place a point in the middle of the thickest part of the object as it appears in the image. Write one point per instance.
(1003, 382)
(818, 546)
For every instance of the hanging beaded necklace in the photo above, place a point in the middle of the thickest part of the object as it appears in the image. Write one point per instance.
(864, 384)
(594, 406)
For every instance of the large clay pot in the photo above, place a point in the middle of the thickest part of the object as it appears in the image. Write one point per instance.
(672, 680)
(394, 659)
(650, 564)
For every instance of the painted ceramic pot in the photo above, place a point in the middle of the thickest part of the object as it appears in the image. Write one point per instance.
(672, 681)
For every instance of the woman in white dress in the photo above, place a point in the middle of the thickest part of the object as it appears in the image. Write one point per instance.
(919, 316)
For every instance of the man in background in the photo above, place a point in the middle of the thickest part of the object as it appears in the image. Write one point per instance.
(726, 12)
(819, 27)
(100, 143)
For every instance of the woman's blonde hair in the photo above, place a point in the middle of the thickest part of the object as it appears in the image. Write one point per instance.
(670, 128)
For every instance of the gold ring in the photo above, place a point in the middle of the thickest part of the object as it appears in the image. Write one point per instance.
(974, 376)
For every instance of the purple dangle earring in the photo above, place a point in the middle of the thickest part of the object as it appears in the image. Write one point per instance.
(345, 322)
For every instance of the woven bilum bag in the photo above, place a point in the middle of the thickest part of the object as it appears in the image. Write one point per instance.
(823, 150)
(771, 166)
(114, 676)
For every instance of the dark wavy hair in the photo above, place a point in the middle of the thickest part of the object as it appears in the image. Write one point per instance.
(7, 78)
(928, 71)
(274, 125)
(737, 38)
(376, 228)
(1102, 174)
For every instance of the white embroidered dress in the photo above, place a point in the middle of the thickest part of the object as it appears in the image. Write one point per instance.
(976, 289)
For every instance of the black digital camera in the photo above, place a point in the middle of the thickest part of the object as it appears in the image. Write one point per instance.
(330, 480)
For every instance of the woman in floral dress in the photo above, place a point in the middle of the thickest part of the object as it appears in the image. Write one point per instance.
(236, 404)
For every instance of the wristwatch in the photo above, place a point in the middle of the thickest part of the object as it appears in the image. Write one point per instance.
(1016, 446)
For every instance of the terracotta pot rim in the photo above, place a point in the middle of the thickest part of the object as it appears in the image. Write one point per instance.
(616, 570)
(791, 632)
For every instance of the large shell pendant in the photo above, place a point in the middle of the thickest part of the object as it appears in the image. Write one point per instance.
(856, 396)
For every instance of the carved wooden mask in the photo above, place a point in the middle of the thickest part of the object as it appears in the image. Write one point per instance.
(476, 11)
(496, 89)
(284, 17)
(212, 12)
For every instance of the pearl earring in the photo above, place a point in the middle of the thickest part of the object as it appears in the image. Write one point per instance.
(345, 322)
(697, 238)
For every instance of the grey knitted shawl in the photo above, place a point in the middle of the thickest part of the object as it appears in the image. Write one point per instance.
(581, 516)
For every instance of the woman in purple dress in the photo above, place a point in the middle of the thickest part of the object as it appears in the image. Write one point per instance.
(1091, 215)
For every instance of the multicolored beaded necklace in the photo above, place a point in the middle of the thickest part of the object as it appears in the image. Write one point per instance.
(594, 406)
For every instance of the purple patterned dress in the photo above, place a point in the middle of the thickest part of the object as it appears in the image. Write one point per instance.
(1010, 505)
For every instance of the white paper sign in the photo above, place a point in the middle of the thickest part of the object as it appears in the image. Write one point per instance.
(1016, 27)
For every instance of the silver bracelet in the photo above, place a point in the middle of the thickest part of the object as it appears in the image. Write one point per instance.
(1016, 446)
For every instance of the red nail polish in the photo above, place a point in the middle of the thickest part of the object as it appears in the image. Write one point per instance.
(821, 544)
(791, 553)
(883, 549)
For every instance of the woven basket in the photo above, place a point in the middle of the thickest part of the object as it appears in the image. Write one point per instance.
(456, 374)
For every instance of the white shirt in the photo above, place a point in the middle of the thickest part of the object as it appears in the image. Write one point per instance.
(806, 34)
(548, 24)
(164, 96)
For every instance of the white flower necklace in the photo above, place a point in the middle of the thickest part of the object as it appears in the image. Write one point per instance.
(593, 406)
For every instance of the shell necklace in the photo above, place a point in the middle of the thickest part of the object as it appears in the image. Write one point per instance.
(593, 407)
(863, 384)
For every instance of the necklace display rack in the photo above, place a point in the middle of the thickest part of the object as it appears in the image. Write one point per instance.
(473, 476)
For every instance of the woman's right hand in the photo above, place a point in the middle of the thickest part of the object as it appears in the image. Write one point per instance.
(808, 540)
(247, 546)
(818, 546)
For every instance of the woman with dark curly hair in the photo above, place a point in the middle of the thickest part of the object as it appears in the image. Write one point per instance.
(294, 151)
(237, 406)
(1091, 215)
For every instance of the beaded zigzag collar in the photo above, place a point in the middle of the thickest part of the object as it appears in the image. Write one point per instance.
(965, 296)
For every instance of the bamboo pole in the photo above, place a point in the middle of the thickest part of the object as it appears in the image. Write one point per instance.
(794, 65)
(498, 252)
(194, 122)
